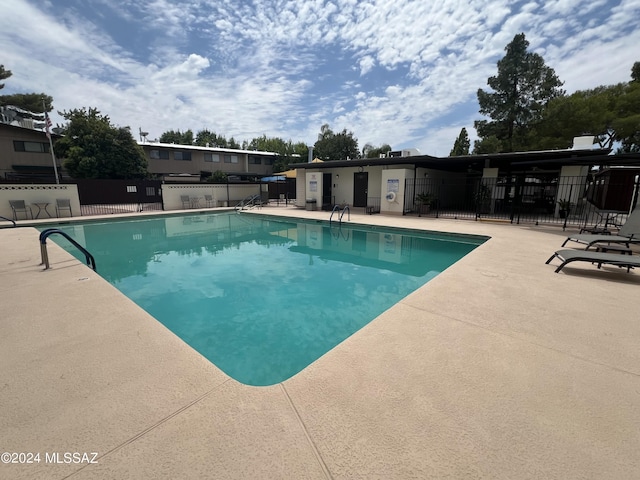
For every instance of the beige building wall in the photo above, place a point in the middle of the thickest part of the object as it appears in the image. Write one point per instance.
(24, 150)
(172, 159)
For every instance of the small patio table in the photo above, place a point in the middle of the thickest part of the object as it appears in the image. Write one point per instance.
(41, 206)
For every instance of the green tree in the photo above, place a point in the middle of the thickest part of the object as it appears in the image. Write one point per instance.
(218, 177)
(610, 113)
(177, 137)
(288, 152)
(521, 90)
(4, 74)
(93, 148)
(490, 144)
(336, 146)
(212, 139)
(369, 151)
(461, 145)
(635, 72)
(31, 102)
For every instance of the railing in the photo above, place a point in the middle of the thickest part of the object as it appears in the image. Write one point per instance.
(8, 220)
(373, 205)
(108, 209)
(249, 202)
(518, 199)
(342, 211)
(91, 262)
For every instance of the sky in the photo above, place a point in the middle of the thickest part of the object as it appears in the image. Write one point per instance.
(397, 72)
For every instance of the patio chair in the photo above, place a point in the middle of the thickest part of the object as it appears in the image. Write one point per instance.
(570, 255)
(63, 204)
(208, 200)
(628, 233)
(18, 206)
(186, 201)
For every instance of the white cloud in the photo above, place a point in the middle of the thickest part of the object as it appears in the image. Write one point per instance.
(391, 72)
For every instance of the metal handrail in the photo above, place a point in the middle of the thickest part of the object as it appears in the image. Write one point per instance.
(250, 200)
(342, 212)
(335, 207)
(345, 209)
(9, 220)
(91, 262)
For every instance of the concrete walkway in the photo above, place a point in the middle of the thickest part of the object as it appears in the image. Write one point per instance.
(498, 368)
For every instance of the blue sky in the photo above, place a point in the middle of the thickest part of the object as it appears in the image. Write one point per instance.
(402, 72)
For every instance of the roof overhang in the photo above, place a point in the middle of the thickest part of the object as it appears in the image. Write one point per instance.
(517, 161)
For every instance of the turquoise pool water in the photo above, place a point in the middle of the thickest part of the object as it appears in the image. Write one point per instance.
(263, 298)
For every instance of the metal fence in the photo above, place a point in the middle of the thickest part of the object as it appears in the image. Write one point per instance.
(583, 201)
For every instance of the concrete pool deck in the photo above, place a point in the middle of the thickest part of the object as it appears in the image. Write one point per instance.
(497, 368)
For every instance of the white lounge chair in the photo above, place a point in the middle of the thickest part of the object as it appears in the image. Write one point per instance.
(629, 233)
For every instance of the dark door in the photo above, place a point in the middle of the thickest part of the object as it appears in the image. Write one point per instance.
(327, 201)
(360, 185)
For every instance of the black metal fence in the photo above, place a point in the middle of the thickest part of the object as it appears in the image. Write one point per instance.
(584, 201)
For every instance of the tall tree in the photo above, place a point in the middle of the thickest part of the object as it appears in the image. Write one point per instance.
(461, 145)
(369, 151)
(288, 152)
(212, 139)
(93, 148)
(336, 146)
(4, 74)
(610, 113)
(177, 137)
(521, 90)
(31, 102)
(635, 72)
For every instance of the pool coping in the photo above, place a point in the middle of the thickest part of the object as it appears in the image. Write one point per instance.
(498, 367)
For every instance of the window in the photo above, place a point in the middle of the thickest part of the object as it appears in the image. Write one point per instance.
(230, 159)
(253, 160)
(182, 156)
(132, 189)
(37, 147)
(159, 154)
(212, 157)
(151, 191)
(268, 161)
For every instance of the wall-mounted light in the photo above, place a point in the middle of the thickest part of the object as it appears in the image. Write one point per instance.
(337, 175)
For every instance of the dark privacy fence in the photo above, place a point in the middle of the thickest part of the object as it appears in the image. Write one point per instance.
(98, 197)
(579, 201)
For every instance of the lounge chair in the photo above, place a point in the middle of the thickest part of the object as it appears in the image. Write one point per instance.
(186, 201)
(629, 233)
(208, 200)
(571, 255)
(18, 206)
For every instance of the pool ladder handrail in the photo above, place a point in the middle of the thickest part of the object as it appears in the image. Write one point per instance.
(9, 220)
(91, 262)
(249, 202)
(342, 212)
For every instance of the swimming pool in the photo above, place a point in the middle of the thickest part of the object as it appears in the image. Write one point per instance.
(261, 297)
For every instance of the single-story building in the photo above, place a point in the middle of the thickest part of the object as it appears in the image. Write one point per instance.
(520, 182)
